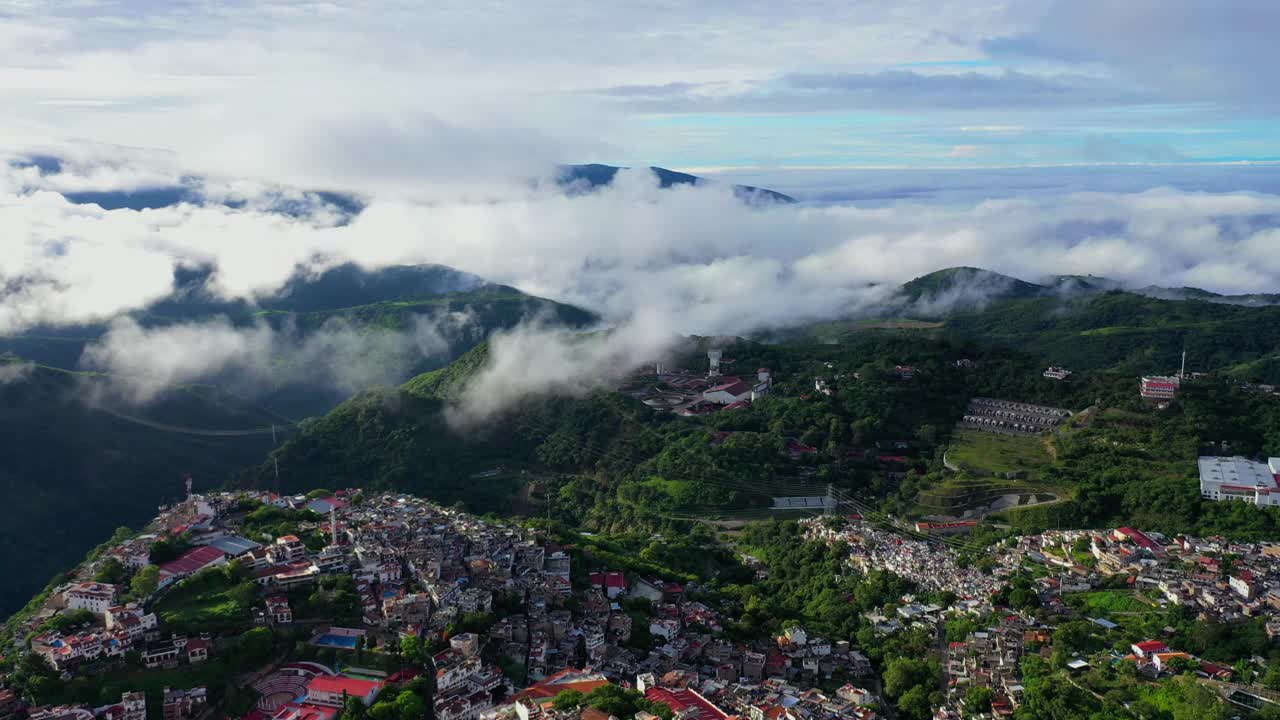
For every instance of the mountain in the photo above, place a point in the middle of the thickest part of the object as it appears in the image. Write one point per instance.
(1191, 293)
(401, 438)
(73, 471)
(301, 202)
(461, 310)
(1132, 333)
(595, 175)
(962, 284)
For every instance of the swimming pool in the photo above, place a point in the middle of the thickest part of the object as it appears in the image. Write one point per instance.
(345, 642)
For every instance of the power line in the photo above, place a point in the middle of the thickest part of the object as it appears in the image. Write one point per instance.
(165, 427)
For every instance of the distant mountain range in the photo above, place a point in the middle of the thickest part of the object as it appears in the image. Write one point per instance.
(595, 175)
(297, 203)
(963, 289)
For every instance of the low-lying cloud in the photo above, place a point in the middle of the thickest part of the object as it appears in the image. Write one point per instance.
(144, 362)
(682, 260)
(14, 371)
(535, 358)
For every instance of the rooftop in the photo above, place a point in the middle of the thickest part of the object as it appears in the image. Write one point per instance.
(193, 560)
(338, 685)
(1237, 471)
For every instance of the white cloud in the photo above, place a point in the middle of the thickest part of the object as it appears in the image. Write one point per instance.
(533, 359)
(143, 362)
(696, 256)
(14, 371)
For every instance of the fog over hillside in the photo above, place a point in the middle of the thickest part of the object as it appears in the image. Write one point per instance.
(652, 261)
(693, 254)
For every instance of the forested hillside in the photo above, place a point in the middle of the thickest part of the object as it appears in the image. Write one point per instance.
(1132, 333)
(73, 472)
(606, 462)
(386, 309)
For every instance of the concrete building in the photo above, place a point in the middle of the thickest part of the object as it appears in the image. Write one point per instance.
(728, 392)
(97, 598)
(184, 703)
(1159, 388)
(333, 691)
(1240, 479)
(1057, 373)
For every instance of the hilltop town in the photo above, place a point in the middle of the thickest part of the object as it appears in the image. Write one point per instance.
(350, 604)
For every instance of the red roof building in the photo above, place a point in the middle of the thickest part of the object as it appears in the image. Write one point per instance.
(334, 690)
(681, 700)
(567, 679)
(294, 711)
(194, 561)
(728, 392)
(1141, 539)
(612, 584)
(1147, 648)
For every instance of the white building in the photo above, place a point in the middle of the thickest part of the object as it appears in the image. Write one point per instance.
(728, 392)
(1240, 479)
(1057, 373)
(97, 598)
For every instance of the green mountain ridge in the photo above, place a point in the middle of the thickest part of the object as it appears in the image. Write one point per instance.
(461, 308)
(959, 289)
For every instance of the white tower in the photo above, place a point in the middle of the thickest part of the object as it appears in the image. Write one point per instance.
(188, 484)
(714, 356)
(333, 525)
(1182, 373)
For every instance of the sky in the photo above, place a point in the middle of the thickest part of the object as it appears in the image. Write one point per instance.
(1137, 140)
(253, 88)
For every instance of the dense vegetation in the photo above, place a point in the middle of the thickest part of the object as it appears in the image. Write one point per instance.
(73, 472)
(607, 463)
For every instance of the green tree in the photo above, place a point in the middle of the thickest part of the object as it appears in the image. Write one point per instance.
(904, 673)
(978, 700)
(567, 700)
(410, 706)
(145, 581)
(110, 571)
(354, 710)
(256, 646)
(412, 651)
(914, 704)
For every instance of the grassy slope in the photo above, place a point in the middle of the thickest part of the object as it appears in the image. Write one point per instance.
(72, 474)
(999, 453)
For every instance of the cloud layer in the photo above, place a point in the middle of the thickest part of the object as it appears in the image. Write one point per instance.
(382, 95)
(653, 262)
(695, 256)
(144, 362)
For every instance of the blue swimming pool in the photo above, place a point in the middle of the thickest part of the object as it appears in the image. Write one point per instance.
(337, 641)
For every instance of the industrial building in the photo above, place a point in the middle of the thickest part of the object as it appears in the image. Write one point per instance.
(1241, 479)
